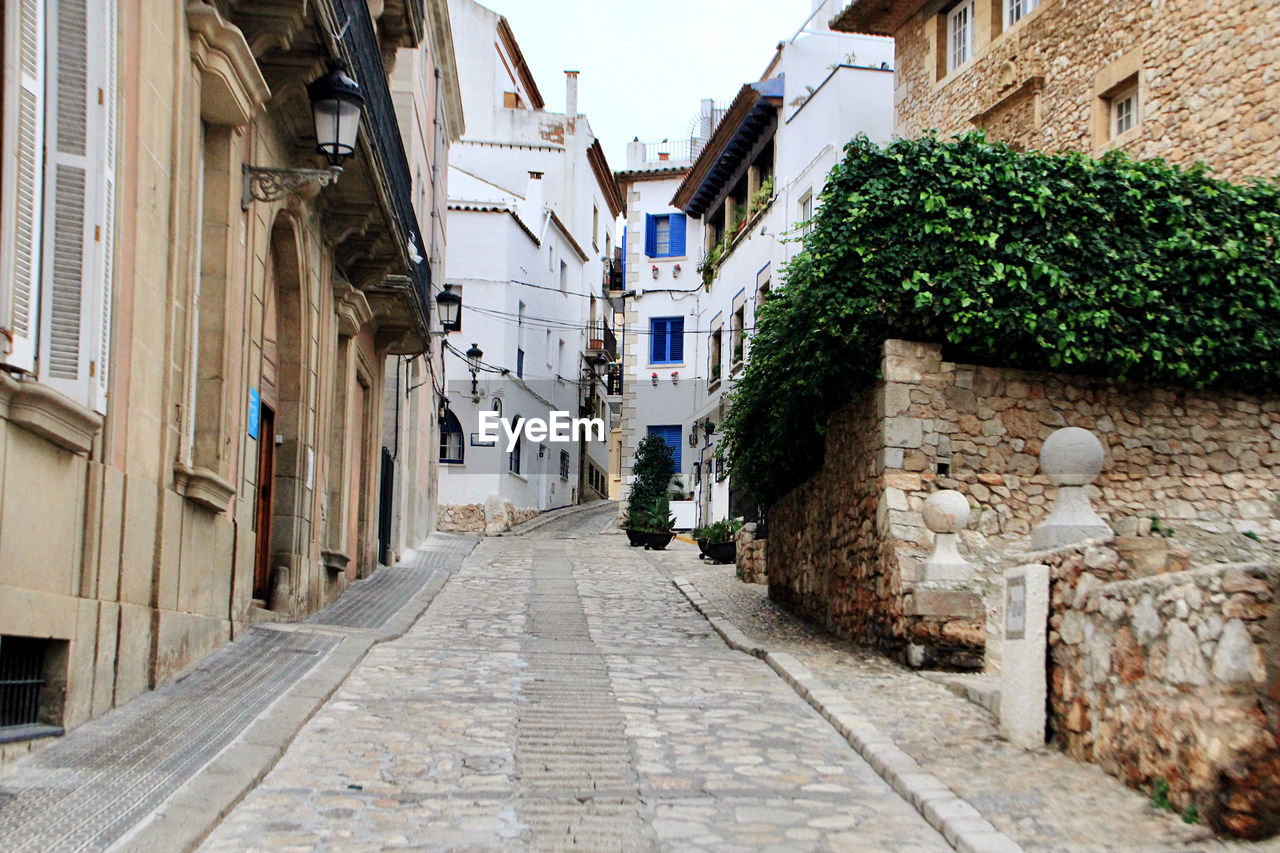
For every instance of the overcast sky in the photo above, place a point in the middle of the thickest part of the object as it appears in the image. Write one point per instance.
(646, 64)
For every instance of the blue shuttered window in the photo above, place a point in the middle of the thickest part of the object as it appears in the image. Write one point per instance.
(664, 236)
(666, 340)
(671, 435)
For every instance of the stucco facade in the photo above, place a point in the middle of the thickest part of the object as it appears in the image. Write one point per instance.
(140, 528)
(1051, 80)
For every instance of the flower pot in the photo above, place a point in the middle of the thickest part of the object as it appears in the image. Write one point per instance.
(723, 552)
(635, 538)
(656, 541)
(702, 548)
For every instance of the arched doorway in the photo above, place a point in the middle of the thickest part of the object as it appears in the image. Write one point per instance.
(281, 492)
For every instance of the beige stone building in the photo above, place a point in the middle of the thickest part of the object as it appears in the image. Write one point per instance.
(195, 378)
(1186, 81)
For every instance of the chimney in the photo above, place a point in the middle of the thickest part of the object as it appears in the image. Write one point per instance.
(534, 201)
(571, 94)
(635, 154)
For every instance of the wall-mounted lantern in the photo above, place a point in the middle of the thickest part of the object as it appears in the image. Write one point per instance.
(336, 103)
(474, 354)
(449, 306)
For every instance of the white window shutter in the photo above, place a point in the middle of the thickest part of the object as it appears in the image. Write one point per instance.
(71, 194)
(101, 305)
(20, 206)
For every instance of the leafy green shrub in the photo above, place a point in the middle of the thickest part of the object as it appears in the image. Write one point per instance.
(1111, 267)
(653, 469)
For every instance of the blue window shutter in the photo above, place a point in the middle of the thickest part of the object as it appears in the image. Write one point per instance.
(624, 256)
(657, 341)
(675, 348)
(650, 234)
(671, 435)
(677, 234)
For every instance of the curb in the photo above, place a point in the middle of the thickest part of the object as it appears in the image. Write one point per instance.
(963, 827)
(194, 811)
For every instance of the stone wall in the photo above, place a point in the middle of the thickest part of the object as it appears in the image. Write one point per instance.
(846, 547)
(750, 555)
(1173, 677)
(1040, 84)
(490, 517)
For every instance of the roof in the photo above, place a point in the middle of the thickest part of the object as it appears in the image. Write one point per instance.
(876, 17)
(608, 184)
(508, 39)
(628, 176)
(750, 113)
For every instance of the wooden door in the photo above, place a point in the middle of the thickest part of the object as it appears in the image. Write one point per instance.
(262, 515)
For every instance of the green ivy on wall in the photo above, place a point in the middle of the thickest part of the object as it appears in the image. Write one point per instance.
(1109, 267)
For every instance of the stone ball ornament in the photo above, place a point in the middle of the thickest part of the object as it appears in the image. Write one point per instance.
(946, 511)
(1071, 457)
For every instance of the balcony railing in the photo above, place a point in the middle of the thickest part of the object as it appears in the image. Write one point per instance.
(614, 280)
(384, 136)
(615, 380)
(601, 339)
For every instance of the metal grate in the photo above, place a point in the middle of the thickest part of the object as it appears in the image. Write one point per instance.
(21, 679)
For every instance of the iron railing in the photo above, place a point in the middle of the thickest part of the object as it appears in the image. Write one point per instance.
(614, 280)
(600, 338)
(384, 137)
(21, 680)
(615, 380)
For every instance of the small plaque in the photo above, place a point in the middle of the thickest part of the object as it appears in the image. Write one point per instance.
(254, 408)
(1015, 608)
(476, 441)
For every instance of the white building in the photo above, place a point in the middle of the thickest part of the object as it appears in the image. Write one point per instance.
(532, 205)
(750, 186)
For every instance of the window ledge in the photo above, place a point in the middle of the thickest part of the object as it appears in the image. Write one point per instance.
(334, 561)
(34, 731)
(713, 385)
(49, 414)
(203, 487)
(521, 477)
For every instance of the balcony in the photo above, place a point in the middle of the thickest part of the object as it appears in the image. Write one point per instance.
(602, 344)
(614, 388)
(614, 282)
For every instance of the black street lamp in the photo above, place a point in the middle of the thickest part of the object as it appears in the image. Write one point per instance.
(336, 104)
(473, 364)
(450, 309)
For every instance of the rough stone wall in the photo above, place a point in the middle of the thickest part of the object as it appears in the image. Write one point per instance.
(846, 547)
(750, 555)
(1174, 677)
(478, 518)
(1203, 91)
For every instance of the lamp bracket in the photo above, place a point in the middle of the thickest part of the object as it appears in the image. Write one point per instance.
(265, 184)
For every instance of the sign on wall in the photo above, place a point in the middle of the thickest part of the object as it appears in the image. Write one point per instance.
(253, 413)
(477, 441)
(1016, 608)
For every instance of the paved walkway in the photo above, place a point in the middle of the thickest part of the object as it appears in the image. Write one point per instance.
(114, 779)
(561, 693)
(1043, 800)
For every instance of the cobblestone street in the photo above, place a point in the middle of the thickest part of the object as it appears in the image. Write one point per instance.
(561, 692)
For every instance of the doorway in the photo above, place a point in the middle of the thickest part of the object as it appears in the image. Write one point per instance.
(262, 515)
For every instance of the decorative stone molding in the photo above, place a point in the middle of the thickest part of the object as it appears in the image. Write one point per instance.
(352, 308)
(48, 414)
(203, 487)
(232, 87)
(1071, 458)
(334, 561)
(946, 513)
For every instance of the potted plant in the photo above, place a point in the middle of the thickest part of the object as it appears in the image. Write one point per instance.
(716, 540)
(648, 507)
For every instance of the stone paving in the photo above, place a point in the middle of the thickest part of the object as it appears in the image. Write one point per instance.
(1043, 800)
(95, 786)
(560, 693)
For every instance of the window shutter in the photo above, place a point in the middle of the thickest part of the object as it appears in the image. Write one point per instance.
(657, 341)
(105, 233)
(675, 347)
(677, 234)
(650, 235)
(66, 344)
(23, 117)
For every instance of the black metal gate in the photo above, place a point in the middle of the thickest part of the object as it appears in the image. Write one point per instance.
(386, 495)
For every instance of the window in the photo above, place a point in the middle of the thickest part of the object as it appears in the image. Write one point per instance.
(1016, 10)
(520, 364)
(58, 196)
(513, 458)
(671, 435)
(564, 465)
(564, 277)
(666, 340)
(806, 212)
(960, 30)
(739, 335)
(664, 235)
(595, 227)
(560, 360)
(26, 666)
(1124, 110)
(551, 258)
(451, 443)
(512, 100)
(762, 295)
(716, 354)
